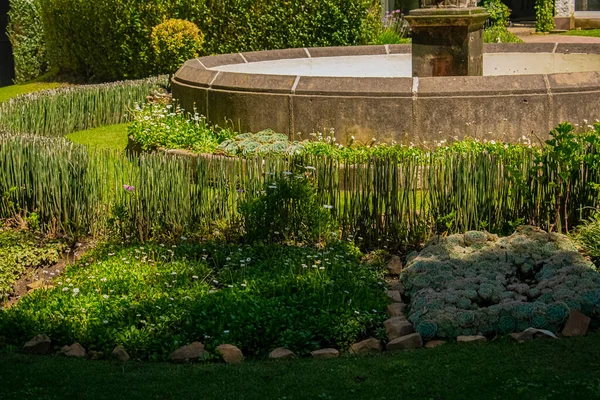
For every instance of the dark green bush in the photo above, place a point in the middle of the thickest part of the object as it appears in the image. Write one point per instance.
(111, 39)
(26, 35)
(288, 210)
(499, 12)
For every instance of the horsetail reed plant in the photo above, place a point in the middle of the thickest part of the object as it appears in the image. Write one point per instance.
(384, 200)
(61, 111)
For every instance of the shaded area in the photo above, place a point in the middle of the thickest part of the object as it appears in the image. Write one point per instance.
(551, 369)
(7, 65)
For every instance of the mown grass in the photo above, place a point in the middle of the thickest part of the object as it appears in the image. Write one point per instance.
(110, 137)
(584, 32)
(545, 369)
(8, 92)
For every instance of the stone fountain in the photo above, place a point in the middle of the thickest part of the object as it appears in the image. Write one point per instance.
(447, 38)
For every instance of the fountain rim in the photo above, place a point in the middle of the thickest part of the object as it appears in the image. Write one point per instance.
(199, 73)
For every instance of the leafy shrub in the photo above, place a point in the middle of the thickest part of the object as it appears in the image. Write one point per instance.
(499, 34)
(171, 127)
(499, 12)
(155, 298)
(544, 15)
(110, 39)
(174, 42)
(394, 29)
(19, 251)
(478, 284)
(588, 236)
(61, 111)
(288, 210)
(26, 35)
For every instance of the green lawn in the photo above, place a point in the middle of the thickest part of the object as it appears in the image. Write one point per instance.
(112, 137)
(9, 92)
(584, 32)
(545, 369)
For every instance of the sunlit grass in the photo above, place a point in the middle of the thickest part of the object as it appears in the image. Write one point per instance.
(584, 32)
(111, 137)
(8, 92)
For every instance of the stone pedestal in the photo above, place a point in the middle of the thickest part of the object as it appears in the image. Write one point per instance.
(447, 41)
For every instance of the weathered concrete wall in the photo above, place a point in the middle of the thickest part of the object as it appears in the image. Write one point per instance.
(401, 109)
(564, 8)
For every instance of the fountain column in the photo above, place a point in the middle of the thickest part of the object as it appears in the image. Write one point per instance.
(447, 39)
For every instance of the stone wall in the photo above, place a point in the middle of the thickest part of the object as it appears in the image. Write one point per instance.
(405, 110)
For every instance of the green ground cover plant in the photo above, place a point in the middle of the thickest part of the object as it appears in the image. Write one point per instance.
(21, 250)
(533, 370)
(154, 298)
(65, 110)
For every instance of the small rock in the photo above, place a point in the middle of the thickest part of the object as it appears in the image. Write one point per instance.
(281, 353)
(396, 310)
(412, 341)
(577, 324)
(370, 345)
(471, 339)
(434, 343)
(395, 296)
(230, 354)
(120, 354)
(191, 352)
(325, 353)
(74, 350)
(396, 285)
(95, 355)
(35, 285)
(394, 267)
(398, 326)
(41, 344)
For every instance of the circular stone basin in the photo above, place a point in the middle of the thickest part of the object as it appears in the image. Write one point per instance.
(400, 65)
(368, 92)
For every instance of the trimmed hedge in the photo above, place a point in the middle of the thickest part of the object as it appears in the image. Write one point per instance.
(110, 39)
(26, 35)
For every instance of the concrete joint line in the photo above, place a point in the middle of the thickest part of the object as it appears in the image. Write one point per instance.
(550, 102)
(200, 62)
(555, 46)
(415, 86)
(243, 58)
(213, 80)
(415, 108)
(307, 52)
(291, 126)
(387, 49)
(295, 84)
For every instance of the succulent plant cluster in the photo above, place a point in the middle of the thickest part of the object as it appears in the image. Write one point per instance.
(476, 283)
(261, 143)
